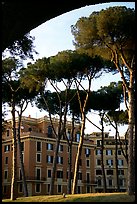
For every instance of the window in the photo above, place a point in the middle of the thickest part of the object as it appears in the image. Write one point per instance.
(5, 189)
(69, 135)
(59, 160)
(37, 187)
(99, 182)
(60, 148)
(80, 162)
(109, 162)
(79, 189)
(109, 172)
(79, 176)
(38, 157)
(22, 146)
(71, 175)
(87, 152)
(49, 173)
(109, 182)
(8, 133)
(119, 152)
(38, 173)
(98, 134)
(98, 151)
(121, 182)
(59, 174)
(6, 160)
(98, 162)
(30, 129)
(98, 172)
(38, 146)
(6, 148)
(20, 174)
(108, 152)
(88, 189)
(20, 188)
(6, 174)
(120, 162)
(49, 146)
(106, 135)
(48, 188)
(121, 172)
(88, 162)
(88, 177)
(99, 143)
(23, 157)
(77, 136)
(49, 159)
(59, 189)
(49, 131)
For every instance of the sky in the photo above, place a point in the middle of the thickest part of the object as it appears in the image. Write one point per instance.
(54, 36)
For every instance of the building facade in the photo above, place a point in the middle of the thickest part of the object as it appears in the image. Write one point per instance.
(38, 145)
(109, 154)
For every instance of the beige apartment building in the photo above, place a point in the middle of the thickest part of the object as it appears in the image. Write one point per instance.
(109, 162)
(38, 145)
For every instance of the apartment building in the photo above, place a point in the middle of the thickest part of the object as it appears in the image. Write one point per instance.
(38, 145)
(110, 162)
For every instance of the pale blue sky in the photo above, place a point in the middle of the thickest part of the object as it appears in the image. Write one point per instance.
(55, 35)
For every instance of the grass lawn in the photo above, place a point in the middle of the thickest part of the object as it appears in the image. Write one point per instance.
(88, 197)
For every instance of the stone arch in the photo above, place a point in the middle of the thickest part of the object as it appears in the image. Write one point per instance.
(20, 17)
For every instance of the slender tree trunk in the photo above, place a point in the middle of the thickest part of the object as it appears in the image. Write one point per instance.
(102, 157)
(14, 156)
(60, 133)
(70, 169)
(131, 122)
(78, 156)
(70, 158)
(116, 159)
(21, 160)
(54, 167)
(83, 118)
(125, 154)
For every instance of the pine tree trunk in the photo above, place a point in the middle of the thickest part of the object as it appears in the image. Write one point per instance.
(14, 156)
(78, 156)
(70, 157)
(102, 158)
(116, 160)
(21, 161)
(51, 192)
(70, 169)
(131, 122)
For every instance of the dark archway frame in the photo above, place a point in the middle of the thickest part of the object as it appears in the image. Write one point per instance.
(20, 17)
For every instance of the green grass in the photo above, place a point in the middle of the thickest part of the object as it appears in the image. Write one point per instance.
(88, 197)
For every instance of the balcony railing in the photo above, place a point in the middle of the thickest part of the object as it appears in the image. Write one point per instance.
(90, 182)
(33, 178)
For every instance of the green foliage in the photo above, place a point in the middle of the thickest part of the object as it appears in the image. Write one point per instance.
(107, 98)
(113, 27)
(22, 47)
(10, 66)
(52, 101)
(69, 64)
(120, 117)
(11, 84)
(35, 75)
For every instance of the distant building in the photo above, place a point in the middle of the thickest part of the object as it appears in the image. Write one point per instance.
(38, 145)
(109, 162)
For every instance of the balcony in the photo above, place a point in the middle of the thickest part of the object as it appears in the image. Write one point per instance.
(90, 183)
(32, 178)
